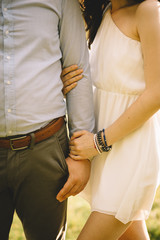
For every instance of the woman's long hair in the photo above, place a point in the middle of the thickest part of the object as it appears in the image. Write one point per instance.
(93, 13)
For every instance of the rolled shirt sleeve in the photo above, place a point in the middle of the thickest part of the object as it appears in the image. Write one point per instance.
(74, 50)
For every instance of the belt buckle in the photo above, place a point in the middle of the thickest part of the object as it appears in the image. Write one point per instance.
(20, 148)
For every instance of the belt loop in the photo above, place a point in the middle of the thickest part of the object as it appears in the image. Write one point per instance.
(32, 143)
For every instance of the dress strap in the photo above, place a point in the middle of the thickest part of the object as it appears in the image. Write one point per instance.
(106, 8)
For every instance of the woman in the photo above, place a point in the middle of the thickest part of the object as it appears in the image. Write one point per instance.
(125, 68)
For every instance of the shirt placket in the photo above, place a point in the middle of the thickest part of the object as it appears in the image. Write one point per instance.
(9, 68)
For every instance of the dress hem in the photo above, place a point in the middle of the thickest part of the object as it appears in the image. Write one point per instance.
(124, 221)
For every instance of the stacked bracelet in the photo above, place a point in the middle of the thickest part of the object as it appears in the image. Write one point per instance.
(96, 144)
(99, 144)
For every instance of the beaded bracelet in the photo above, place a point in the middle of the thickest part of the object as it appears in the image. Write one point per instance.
(101, 145)
(100, 142)
(96, 144)
(108, 148)
(104, 137)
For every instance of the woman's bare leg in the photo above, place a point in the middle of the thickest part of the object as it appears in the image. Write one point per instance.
(101, 226)
(136, 231)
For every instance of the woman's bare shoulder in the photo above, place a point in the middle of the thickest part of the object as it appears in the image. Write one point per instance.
(148, 8)
(148, 16)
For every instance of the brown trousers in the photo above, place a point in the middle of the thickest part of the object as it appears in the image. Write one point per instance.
(29, 182)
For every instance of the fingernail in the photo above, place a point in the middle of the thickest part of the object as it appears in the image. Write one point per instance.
(58, 199)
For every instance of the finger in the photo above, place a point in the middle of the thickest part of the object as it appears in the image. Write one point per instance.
(77, 134)
(71, 142)
(72, 145)
(69, 88)
(79, 189)
(65, 190)
(69, 69)
(76, 157)
(72, 77)
(72, 80)
(74, 191)
(75, 153)
(74, 148)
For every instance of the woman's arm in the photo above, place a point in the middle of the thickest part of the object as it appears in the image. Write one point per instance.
(148, 27)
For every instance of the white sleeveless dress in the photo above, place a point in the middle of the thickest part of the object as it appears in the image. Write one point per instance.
(123, 182)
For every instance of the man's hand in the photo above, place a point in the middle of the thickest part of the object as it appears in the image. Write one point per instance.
(79, 173)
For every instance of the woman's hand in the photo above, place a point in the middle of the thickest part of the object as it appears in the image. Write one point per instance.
(82, 145)
(70, 76)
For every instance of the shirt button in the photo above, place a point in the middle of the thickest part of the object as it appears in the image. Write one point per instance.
(9, 110)
(5, 9)
(8, 82)
(8, 57)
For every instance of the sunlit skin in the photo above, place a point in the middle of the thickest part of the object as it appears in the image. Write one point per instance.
(70, 77)
(143, 24)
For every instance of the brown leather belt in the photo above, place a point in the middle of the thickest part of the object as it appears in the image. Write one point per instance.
(23, 142)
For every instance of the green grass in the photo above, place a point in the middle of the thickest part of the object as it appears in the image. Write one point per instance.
(78, 212)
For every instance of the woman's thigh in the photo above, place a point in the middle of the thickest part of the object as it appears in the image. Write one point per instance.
(101, 226)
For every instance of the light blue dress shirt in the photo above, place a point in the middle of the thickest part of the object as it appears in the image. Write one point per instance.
(37, 39)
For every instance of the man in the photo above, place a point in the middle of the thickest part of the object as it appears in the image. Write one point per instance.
(37, 39)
